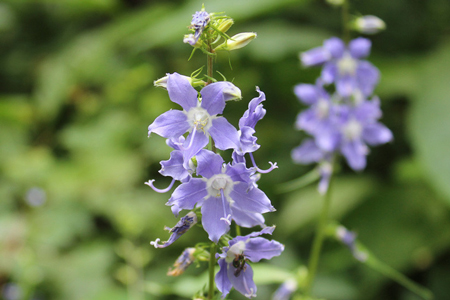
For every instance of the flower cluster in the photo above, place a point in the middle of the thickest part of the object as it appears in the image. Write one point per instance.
(345, 121)
(216, 191)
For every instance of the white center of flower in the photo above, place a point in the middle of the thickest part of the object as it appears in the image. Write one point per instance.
(199, 118)
(235, 250)
(352, 130)
(217, 183)
(347, 65)
(323, 108)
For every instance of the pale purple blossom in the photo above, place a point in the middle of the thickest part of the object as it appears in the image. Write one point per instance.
(234, 268)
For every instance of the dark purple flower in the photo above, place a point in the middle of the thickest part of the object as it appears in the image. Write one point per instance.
(224, 194)
(178, 230)
(198, 117)
(234, 268)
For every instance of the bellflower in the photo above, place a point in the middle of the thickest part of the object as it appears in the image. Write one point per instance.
(224, 194)
(183, 262)
(199, 118)
(344, 66)
(178, 230)
(360, 127)
(234, 268)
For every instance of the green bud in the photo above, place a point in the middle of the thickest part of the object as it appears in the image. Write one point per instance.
(237, 41)
(162, 82)
(368, 24)
(225, 25)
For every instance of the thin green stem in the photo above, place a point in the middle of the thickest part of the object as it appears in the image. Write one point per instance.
(212, 264)
(238, 230)
(346, 21)
(209, 65)
(318, 241)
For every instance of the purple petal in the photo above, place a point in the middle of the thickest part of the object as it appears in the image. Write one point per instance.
(307, 93)
(253, 200)
(181, 91)
(215, 94)
(260, 248)
(307, 152)
(243, 283)
(360, 47)
(346, 85)
(209, 163)
(212, 212)
(174, 166)
(265, 230)
(222, 282)
(376, 134)
(188, 194)
(335, 47)
(199, 142)
(224, 134)
(245, 218)
(313, 57)
(255, 111)
(367, 77)
(247, 141)
(368, 111)
(170, 124)
(355, 153)
(329, 72)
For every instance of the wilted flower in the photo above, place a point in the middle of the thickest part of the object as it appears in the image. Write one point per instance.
(178, 230)
(183, 262)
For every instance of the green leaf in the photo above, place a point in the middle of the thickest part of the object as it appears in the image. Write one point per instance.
(429, 120)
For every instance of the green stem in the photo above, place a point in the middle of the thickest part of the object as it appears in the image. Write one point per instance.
(345, 21)
(238, 230)
(212, 264)
(300, 182)
(318, 241)
(209, 65)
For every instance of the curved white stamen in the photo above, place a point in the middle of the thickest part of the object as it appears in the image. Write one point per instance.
(155, 243)
(226, 218)
(272, 166)
(191, 141)
(250, 292)
(150, 184)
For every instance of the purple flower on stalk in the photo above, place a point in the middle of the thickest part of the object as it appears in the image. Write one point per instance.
(224, 194)
(359, 126)
(198, 117)
(178, 230)
(234, 268)
(344, 65)
(199, 21)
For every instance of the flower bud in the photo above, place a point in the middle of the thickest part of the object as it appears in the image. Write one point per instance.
(225, 25)
(336, 2)
(368, 24)
(237, 41)
(162, 82)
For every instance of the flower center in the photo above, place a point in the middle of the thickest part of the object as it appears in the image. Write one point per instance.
(323, 108)
(346, 65)
(217, 183)
(199, 118)
(352, 130)
(235, 250)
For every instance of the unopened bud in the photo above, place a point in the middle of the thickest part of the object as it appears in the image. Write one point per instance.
(225, 25)
(162, 82)
(336, 2)
(237, 41)
(368, 24)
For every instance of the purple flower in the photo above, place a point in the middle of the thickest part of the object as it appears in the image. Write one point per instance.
(343, 65)
(224, 194)
(199, 21)
(178, 230)
(360, 127)
(198, 117)
(234, 268)
(348, 238)
(321, 119)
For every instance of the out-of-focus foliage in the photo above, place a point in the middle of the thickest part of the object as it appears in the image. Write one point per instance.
(77, 95)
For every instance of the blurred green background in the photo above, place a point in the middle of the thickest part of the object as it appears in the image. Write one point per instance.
(77, 95)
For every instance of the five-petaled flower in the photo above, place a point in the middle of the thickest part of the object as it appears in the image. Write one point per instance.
(234, 268)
